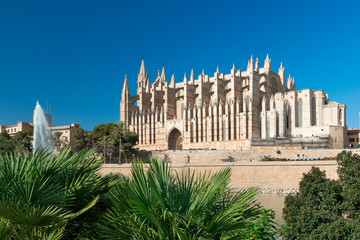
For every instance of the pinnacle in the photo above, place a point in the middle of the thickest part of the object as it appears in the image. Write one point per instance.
(142, 68)
(173, 81)
(126, 85)
(267, 57)
(217, 69)
(163, 75)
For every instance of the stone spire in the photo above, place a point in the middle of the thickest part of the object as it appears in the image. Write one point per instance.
(192, 77)
(125, 103)
(143, 79)
(125, 89)
(251, 63)
(185, 79)
(267, 64)
(217, 73)
(293, 85)
(233, 70)
(172, 82)
(142, 68)
(281, 73)
(289, 82)
(163, 76)
(257, 64)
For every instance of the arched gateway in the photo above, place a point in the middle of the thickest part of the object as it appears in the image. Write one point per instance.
(175, 140)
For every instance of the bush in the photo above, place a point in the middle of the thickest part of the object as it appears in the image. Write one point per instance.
(324, 208)
(278, 152)
(162, 204)
(266, 158)
(44, 196)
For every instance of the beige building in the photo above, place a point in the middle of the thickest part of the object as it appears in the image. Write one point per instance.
(256, 108)
(66, 130)
(12, 130)
(353, 137)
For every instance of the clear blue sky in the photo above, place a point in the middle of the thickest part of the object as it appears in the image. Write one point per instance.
(74, 54)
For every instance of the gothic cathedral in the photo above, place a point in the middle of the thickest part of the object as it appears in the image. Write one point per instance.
(256, 108)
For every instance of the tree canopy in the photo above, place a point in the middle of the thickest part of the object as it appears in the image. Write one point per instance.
(107, 138)
(324, 208)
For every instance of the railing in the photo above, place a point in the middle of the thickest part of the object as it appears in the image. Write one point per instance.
(322, 142)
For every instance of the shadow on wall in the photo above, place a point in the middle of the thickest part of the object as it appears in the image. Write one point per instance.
(145, 155)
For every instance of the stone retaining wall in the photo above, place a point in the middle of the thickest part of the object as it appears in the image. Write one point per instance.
(210, 156)
(271, 177)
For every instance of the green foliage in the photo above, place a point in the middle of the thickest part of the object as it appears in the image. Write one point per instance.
(130, 139)
(263, 228)
(23, 146)
(102, 130)
(20, 142)
(58, 142)
(106, 145)
(278, 152)
(324, 208)
(349, 177)
(82, 140)
(6, 145)
(162, 204)
(108, 138)
(44, 196)
(266, 158)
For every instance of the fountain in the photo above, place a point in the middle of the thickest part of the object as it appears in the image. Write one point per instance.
(43, 138)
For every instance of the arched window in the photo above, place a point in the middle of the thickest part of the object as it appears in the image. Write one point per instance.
(313, 112)
(300, 113)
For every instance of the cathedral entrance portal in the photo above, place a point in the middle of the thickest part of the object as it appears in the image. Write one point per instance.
(175, 139)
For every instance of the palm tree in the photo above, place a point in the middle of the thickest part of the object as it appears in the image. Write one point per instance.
(105, 144)
(43, 194)
(23, 146)
(162, 204)
(59, 143)
(118, 130)
(5, 144)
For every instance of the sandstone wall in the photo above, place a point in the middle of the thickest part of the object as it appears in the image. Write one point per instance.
(210, 156)
(271, 177)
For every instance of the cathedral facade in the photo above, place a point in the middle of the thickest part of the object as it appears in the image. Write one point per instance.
(256, 108)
